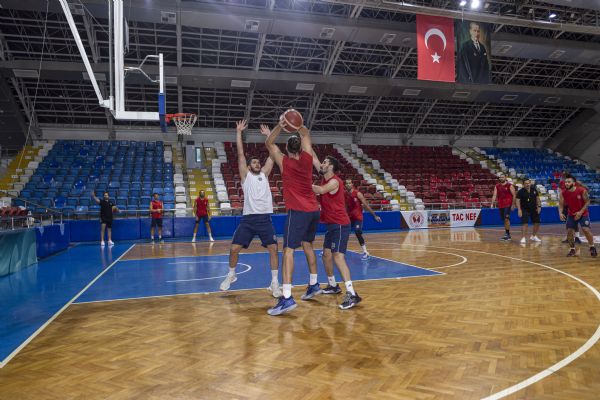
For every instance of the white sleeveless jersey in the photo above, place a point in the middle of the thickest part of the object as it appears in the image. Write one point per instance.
(257, 194)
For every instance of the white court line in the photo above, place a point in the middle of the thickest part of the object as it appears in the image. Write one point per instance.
(246, 290)
(41, 328)
(212, 277)
(562, 363)
(464, 259)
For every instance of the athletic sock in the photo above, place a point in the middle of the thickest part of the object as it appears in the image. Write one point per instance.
(160, 238)
(350, 288)
(151, 237)
(287, 290)
(364, 248)
(313, 279)
(331, 280)
(231, 271)
(274, 273)
(507, 232)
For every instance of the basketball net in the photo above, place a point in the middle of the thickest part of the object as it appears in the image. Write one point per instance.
(184, 122)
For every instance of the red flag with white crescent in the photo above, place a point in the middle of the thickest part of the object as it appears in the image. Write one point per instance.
(435, 48)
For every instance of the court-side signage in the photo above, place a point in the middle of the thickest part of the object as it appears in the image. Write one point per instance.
(440, 219)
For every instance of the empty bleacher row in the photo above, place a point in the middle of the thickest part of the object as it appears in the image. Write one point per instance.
(435, 175)
(545, 168)
(129, 170)
(228, 182)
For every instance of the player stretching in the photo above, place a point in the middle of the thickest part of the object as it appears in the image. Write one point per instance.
(355, 201)
(333, 213)
(505, 193)
(576, 198)
(256, 219)
(302, 210)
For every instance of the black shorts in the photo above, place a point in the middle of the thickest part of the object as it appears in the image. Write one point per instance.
(203, 218)
(255, 225)
(532, 215)
(156, 222)
(300, 226)
(505, 212)
(336, 238)
(106, 221)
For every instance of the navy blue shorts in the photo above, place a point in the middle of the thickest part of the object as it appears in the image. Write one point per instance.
(336, 238)
(203, 218)
(356, 226)
(300, 226)
(253, 225)
(584, 221)
(156, 222)
(505, 212)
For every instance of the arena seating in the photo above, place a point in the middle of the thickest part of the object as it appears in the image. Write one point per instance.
(129, 170)
(228, 177)
(22, 167)
(434, 174)
(545, 167)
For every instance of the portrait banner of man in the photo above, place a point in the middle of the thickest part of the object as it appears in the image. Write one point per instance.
(473, 57)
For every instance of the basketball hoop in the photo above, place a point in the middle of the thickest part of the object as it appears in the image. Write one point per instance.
(184, 122)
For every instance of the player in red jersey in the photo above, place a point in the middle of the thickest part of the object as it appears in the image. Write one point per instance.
(561, 187)
(202, 211)
(156, 212)
(578, 201)
(335, 216)
(302, 209)
(355, 201)
(505, 193)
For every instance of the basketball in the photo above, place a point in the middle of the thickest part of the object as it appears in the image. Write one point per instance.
(293, 120)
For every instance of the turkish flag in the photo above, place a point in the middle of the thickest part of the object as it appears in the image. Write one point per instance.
(435, 48)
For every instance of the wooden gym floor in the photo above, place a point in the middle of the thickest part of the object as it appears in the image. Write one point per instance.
(502, 316)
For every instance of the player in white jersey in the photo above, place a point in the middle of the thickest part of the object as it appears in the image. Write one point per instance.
(258, 207)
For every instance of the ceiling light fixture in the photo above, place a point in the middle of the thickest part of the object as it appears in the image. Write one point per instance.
(462, 3)
(475, 4)
(552, 15)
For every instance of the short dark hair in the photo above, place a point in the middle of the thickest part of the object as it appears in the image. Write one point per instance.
(569, 176)
(249, 160)
(294, 144)
(334, 161)
(105, 192)
(526, 179)
(154, 194)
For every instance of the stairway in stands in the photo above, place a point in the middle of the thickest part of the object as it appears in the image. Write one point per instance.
(22, 167)
(200, 179)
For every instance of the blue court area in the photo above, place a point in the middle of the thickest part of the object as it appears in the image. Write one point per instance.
(31, 296)
(183, 275)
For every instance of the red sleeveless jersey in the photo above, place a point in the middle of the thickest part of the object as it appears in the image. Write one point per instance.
(353, 205)
(297, 183)
(333, 206)
(574, 200)
(504, 196)
(156, 204)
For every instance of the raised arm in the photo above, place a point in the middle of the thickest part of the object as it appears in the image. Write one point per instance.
(330, 187)
(307, 146)
(274, 151)
(268, 167)
(240, 126)
(366, 205)
(97, 200)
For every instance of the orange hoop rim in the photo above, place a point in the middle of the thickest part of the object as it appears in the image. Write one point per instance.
(169, 117)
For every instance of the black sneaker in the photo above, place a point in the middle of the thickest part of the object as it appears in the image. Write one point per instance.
(593, 252)
(350, 301)
(572, 253)
(506, 238)
(577, 240)
(332, 289)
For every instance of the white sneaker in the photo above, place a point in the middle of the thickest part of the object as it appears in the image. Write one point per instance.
(102, 244)
(229, 279)
(275, 289)
(535, 239)
(365, 255)
(111, 243)
(211, 239)
(524, 241)
(194, 239)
